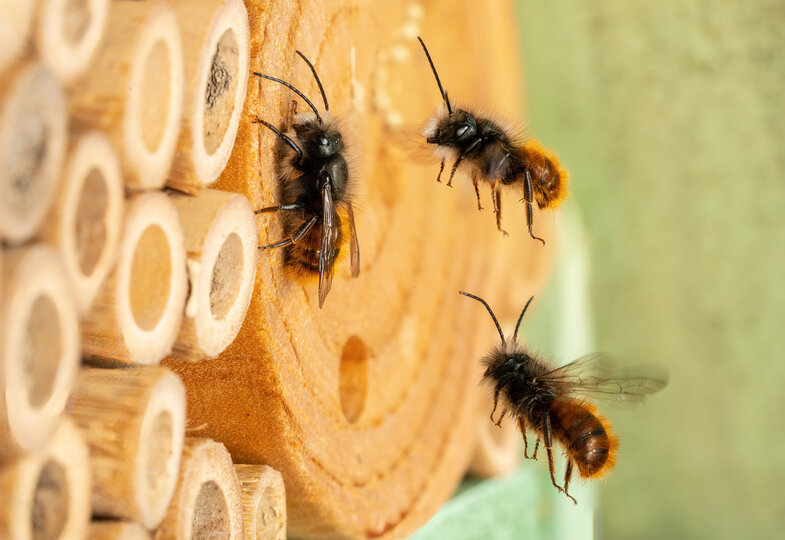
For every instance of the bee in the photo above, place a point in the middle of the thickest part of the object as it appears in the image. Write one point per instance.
(555, 403)
(496, 156)
(315, 191)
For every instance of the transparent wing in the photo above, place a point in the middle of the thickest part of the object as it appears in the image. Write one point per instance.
(354, 246)
(329, 240)
(599, 376)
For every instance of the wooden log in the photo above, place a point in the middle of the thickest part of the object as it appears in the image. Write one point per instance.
(368, 406)
(137, 312)
(207, 501)
(68, 34)
(46, 493)
(134, 89)
(15, 22)
(40, 356)
(264, 502)
(32, 146)
(215, 33)
(220, 240)
(86, 220)
(134, 422)
(116, 530)
(498, 449)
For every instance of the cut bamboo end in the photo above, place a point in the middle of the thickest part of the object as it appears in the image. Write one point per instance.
(32, 145)
(221, 242)
(116, 530)
(86, 221)
(40, 347)
(68, 34)
(498, 449)
(217, 78)
(15, 19)
(207, 500)
(134, 89)
(264, 502)
(134, 423)
(48, 491)
(137, 312)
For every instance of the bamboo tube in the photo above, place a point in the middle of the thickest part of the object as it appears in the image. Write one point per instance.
(32, 145)
(40, 347)
(116, 530)
(207, 501)
(498, 449)
(134, 423)
(68, 34)
(264, 502)
(15, 19)
(137, 312)
(134, 89)
(47, 492)
(215, 32)
(368, 406)
(86, 220)
(221, 243)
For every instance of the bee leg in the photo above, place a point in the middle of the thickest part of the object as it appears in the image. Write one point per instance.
(528, 195)
(476, 191)
(549, 448)
(499, 421)
(293, 206)
(536, 446)
(495, 400)
(497, 206)
(439, 176)
(567, 476)
(294, 239)
(286, 138)
(455, 168)
(522, 426)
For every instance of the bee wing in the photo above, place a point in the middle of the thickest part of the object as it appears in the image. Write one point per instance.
(327, 249)
(599, 377)
(354, 247)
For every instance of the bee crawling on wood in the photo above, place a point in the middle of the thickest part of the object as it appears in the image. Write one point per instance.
(492, 154)
(555, 402)
(315, 191)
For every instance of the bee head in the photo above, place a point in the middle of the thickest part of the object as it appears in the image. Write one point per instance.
(317, 140)
(456, 129)
(502, 363)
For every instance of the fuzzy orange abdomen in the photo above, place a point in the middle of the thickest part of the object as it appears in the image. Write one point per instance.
(586, 437)
(549, 179)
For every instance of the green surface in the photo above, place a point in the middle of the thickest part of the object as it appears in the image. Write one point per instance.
(671, 118)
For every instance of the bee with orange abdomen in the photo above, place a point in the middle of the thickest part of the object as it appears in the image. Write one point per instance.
(555, 403)
(315, 191)
(495, 155)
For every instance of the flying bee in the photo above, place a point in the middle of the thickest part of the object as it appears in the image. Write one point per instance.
(315, 191)
(496, 156)
(555, 403)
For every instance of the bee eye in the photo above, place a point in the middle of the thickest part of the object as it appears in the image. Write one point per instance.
(461, 130)
(323, 141)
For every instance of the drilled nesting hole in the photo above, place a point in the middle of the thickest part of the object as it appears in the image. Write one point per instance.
(156, 90)
(90, 226)
(42, 350)
(219, 95)
(50, 503)
(353, 378)
(211, 514)
(159, 453)
(25, 155)
(76, 19)
(227, 276)
(265, 517)
(151, 273)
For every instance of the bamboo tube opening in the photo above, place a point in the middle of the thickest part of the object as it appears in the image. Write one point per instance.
(265, 517)
(159, 451)
(32, 145)
(211, 514)
(264, 502)
(49, 511)
(68, 34)
(150, 281)
(353, 378)
(227, 276)
(15, 18)
(155, 90)
(41, 348)
(220, 93)
(90, 226)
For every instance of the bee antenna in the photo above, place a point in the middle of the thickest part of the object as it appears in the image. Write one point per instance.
(293, 89)
(438, 81)
(315, 76)
(484, 303)
(515, 335)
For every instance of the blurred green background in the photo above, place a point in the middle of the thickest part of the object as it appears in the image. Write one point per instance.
(671, 119)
